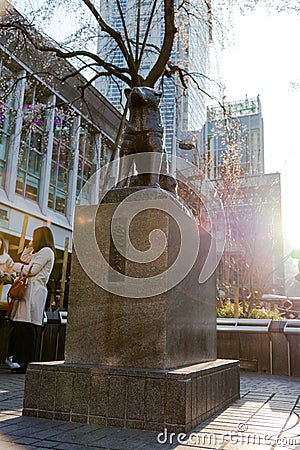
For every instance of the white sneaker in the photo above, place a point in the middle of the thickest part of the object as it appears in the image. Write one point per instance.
(11, 364)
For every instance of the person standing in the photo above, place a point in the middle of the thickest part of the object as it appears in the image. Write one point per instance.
(6, 262)
(6, 270)
(28, 313)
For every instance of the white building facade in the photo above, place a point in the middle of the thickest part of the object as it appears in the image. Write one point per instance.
(51, 143)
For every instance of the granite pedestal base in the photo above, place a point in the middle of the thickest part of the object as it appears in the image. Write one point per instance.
(177, 399)
(173, 328)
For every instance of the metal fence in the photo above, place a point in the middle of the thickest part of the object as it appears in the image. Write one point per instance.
(51, 338)
(261, 345)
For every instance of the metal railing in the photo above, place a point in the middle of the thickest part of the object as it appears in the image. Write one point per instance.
(252, 325)
(262, 345)
(291, 331)
(51, 341)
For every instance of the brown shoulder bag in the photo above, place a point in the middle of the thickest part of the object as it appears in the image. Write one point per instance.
(17, 291)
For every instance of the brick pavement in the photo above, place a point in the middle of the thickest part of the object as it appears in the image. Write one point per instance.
(265, 417)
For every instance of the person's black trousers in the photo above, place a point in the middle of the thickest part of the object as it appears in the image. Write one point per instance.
(22, 343)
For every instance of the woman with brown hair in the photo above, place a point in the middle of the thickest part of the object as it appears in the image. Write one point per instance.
(28, 313)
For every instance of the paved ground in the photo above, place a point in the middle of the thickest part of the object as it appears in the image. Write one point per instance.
(265, 417)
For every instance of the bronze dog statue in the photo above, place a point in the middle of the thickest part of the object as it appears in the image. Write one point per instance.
(144, 134)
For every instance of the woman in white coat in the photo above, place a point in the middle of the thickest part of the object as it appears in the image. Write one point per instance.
(28, 313)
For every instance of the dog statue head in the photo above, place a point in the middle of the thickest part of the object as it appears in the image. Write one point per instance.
(139, 96)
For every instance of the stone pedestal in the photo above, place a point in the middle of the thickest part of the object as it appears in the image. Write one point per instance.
(172, 329)
(177, 399)
(147, 360)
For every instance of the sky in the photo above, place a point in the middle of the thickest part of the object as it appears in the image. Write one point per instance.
(263, 59)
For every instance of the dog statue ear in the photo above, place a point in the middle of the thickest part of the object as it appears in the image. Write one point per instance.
(127, 92)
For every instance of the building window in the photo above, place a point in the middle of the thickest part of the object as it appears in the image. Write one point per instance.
(87, 162)
(6, 108)
(61, 161)
(33, 141)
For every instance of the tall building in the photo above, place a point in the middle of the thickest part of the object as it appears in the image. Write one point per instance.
(231, 155)
(252, 259)
(242, 130)
(181, 109)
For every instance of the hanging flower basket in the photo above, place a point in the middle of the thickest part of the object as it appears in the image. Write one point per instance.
(33, 114)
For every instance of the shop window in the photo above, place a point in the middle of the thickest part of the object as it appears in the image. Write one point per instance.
(33, 141)
(61, 161)
(7, 81)
(87, 162)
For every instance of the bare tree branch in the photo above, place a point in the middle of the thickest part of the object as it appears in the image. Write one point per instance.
(30, 34)
(125, 29)
(139, 60)
(115, 35)
(138, 30)
(164, 56)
